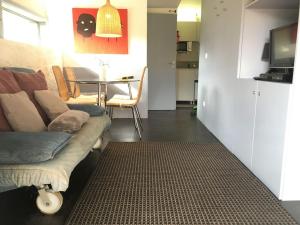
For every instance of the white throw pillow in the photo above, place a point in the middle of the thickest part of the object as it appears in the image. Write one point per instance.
(21, 113)
(70, 121)
(52, 104)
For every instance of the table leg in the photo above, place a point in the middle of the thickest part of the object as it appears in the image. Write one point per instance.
(105, 96)
(99, 95)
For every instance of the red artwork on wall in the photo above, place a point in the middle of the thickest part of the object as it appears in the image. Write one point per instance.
(85, 41)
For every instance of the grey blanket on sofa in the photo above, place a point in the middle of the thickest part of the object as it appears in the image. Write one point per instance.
(57, 171)
(24, 148)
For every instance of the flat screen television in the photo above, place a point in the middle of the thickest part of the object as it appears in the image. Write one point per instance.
(283, 46)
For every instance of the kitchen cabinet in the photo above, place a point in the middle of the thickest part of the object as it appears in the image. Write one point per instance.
(185, 84)
(189, 31)
(269, 133)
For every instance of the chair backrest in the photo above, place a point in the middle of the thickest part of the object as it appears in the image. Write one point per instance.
(140, 86)
(61, 83)
(74, 87)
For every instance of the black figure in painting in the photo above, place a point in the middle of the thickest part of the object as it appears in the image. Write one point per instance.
(86, 25)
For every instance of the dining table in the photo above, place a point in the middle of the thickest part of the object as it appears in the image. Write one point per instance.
(102, 86)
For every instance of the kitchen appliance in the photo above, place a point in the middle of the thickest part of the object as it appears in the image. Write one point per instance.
(184, 46)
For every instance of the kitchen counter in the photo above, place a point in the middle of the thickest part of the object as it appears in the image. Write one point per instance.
(187, 64)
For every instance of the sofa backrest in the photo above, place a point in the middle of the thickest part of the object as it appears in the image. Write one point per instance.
(19, 69)
(13, 80)
(16, 54)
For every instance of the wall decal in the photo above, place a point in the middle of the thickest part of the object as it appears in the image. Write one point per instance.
(85, 41)
(220, 7)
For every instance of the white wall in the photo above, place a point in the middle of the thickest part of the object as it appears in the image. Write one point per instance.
(226, 103)
(61, 37)
(291, 163)
(229, 103)
(15, 54)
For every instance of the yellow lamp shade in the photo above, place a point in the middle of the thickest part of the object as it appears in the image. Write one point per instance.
(108, 23)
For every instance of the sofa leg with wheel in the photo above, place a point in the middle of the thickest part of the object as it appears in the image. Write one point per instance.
(98, 144)
(49, 202)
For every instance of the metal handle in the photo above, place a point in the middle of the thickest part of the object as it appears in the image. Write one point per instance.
(254, 93)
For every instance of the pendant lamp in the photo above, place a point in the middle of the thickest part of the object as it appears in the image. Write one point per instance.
(108, 23)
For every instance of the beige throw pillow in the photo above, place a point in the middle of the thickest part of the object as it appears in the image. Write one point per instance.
(52, 104)
(70, 121)
(21, 113)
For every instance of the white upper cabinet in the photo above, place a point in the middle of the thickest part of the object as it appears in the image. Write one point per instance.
(189, 31)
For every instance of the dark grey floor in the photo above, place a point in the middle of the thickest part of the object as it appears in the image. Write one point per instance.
(177, 125)
(17, 207)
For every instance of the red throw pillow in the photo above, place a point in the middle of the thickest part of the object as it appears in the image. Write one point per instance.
(30, 82)
(8, 84)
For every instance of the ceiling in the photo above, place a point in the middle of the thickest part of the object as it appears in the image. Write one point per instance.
(163, 3)
(276, 4)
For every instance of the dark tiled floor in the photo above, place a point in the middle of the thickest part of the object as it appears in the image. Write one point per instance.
(177, 125)
(17, 207)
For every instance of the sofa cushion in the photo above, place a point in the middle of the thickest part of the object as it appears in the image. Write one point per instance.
(21, 113)
(8, 84)
(70, 121)
(24, 148)
(92, 110)
(52, 104)
(30, 82)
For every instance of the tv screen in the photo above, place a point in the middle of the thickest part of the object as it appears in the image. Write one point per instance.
(283, 46)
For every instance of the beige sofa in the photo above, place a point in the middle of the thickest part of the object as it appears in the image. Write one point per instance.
(53, 176)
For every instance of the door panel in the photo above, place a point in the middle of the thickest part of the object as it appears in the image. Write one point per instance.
(270, 126)
(162, 61)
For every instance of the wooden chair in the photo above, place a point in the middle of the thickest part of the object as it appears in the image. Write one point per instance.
(64, 91)
(75, 89)
(130, 103)
(61, 83)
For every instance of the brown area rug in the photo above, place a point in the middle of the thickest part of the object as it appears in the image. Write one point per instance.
(175, 183)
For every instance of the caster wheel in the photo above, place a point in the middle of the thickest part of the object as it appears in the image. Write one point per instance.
(51, 207)
(98, 144)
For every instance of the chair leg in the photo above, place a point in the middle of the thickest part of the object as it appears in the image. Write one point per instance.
(134, 120)
(110, 112)
(135, 117)
(139, 117)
